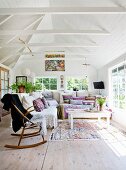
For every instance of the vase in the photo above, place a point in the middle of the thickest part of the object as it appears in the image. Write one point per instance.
(21, 89)
(100, 108)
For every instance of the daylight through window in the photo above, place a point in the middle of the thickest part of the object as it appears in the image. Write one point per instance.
(48, 83)
(78, 83)
(118, 86)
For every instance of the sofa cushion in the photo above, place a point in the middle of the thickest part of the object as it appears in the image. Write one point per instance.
(66, 98)
(76, 102)
(47, 94)
(38, 105)
(45, 102)
(79, 98)
(90, 98)
(73, 94)
(27, 101)
(52, 102)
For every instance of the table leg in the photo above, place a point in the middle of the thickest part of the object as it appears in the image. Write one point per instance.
(108, 121)
(71, 119)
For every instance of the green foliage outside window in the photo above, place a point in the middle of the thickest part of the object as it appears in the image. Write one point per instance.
(47, 83)
(78, 83)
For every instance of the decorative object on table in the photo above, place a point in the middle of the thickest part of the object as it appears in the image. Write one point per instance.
(86, 130)
(100, 102)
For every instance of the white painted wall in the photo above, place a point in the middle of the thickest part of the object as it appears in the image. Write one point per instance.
(73, 68)
(103, 74)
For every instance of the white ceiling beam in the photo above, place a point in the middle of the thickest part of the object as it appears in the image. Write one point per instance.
(6, 19)
(12, 64)
(12, 55)
(54, 32)
(30, 25)
(7, 67)
(66, 53)
(62, 10)
(17, 45)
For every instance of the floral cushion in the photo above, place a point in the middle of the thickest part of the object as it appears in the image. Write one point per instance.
(38, 105)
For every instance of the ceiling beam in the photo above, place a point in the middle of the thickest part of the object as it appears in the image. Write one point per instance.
(66, 53)
(62, 10)
(19, 45)
(54, 32)
(12, 55)
(7, 67)
(30, 25)
(6, 19)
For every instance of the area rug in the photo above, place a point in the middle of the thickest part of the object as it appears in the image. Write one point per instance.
(83, 129)
(86, 130)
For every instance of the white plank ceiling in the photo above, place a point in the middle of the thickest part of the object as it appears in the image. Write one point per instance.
(95, 29)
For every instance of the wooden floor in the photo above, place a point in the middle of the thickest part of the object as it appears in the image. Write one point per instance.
(67, 155)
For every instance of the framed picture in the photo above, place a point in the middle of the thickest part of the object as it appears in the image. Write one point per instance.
(21, 79)
(54, 65)
(54, 54)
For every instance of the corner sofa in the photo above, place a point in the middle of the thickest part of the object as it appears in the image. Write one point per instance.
(61, 100)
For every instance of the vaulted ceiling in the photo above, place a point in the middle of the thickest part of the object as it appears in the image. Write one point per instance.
(93, 29)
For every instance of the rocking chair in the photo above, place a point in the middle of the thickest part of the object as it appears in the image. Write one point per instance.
(21, 118)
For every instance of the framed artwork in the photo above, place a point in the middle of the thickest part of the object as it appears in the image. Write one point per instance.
(54, 56)
(54, 65)
(21, 79)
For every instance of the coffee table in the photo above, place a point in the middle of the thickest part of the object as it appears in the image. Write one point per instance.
(81, 113)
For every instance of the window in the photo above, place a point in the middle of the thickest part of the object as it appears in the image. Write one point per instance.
(118, 86)
(78, 83)
(4, 81)
(48, 83)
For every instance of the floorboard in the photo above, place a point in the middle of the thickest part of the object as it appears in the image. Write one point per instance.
(61, 155)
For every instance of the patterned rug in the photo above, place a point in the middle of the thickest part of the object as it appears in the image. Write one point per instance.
(85, 130)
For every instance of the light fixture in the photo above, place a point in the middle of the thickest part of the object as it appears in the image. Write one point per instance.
(26, 46)
(86, 64)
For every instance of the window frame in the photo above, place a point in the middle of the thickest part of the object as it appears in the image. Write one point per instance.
(118, 88)
(49, 77)
(80, 78)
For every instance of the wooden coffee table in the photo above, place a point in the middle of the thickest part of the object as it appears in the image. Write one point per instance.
(81, 113)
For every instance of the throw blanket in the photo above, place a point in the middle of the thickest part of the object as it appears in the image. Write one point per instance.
(17, 120)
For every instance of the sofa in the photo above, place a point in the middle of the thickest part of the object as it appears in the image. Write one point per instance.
(49, 111)
(70, 102)
(62, 101)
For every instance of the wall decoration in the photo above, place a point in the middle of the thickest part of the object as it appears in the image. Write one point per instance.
(61, 82)
(54, 65)
(54, 56)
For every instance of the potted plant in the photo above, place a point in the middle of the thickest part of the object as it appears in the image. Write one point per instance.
(27, 87)
(101, 101)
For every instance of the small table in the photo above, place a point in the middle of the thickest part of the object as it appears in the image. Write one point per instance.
(81, 113)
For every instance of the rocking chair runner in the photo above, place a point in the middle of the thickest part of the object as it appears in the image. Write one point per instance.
(21, 119)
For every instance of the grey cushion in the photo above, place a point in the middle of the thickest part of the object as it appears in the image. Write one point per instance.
(47, 94)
